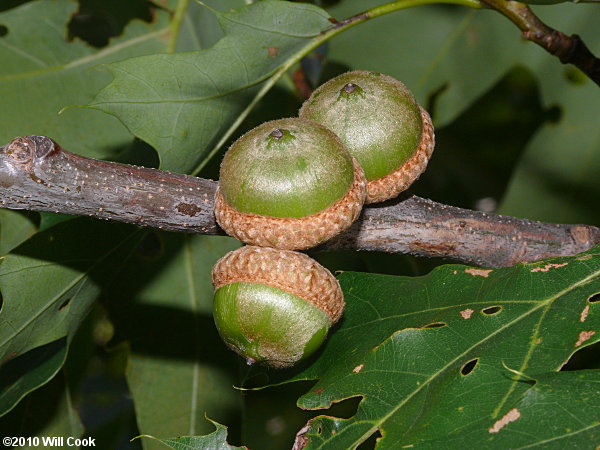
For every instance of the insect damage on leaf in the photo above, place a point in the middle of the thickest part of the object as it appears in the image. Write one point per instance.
(435, 325)
(466, 313)
(469, 367)
(547, 267)
(584, 313)
(511, 416)
(584, 336)
(491, 310)
(478, 272)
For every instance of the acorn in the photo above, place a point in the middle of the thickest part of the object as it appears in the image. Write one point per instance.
(289, 184)
(274, 306)
(382, 125)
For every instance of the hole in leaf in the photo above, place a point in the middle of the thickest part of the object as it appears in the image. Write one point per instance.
(99, 20)
(435, 325)
(64, 304)
(370, 443)
(594, 298)
(345, 409)
(3, 31)
(491, 310)
(469, 366)
(1, 301)
(586, 358)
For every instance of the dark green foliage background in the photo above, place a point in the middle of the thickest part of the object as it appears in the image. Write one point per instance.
(111, 325)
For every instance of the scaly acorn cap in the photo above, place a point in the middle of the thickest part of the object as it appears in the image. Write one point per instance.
(382, 125)
(274, 306)
(289, 184)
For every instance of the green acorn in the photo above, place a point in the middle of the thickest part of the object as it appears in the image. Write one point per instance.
(382, 125)
(290, 184)
(274, 306)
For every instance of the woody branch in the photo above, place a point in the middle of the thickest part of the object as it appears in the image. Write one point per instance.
(37, 174)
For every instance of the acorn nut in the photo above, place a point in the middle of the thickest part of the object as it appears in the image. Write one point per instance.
(289, 184)
(274, 306)
(382, 125)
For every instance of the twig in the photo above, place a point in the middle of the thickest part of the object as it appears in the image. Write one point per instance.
(418, 226)
(37, 174)
(568, 49)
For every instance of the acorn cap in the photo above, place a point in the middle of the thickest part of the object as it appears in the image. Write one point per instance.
(380, 122)
(389, 186)
(274, 306)
(289, 184)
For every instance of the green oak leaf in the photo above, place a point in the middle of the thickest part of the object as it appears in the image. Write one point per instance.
(183, 103)
(15, 227)
(560, 411)
(55, 416)
(178, 369)
(48, 284)
(217, 440)
(433, 355)
(42, 72)
(200, 26)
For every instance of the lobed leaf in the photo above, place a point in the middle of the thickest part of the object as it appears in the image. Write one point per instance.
(15, 228)
(182, 103)
(216, 440)
(48, 284)
(560, 411)
(42, 72)
(438, 354)
(55, 414)
(178, 369)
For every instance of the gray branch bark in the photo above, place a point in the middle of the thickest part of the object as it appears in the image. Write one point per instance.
(37, 174)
